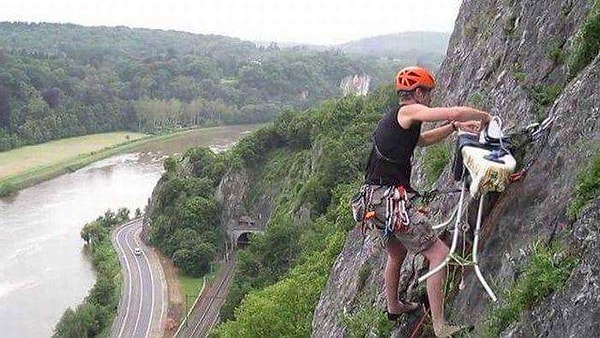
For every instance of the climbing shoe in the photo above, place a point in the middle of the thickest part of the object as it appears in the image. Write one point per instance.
(404, 308)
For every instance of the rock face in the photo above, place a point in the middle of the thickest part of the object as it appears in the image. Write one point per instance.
(535, 208)
(574, 311)
(230, 193)
(344, 284)
(508, 57)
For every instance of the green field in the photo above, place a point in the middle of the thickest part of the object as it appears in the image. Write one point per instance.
(26, 166)
(20, 160)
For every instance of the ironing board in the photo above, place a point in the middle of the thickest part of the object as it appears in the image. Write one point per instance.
(485, 175)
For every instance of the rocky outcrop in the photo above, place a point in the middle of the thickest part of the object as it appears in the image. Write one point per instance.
(508, 57)
(501, 51)
(535, 208)
(233, 193)
(230, 193)
(574, 311)
(345, 284)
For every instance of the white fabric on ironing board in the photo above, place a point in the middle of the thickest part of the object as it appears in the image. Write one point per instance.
(487, 175)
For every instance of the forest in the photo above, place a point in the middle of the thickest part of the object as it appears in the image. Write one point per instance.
(62, 80)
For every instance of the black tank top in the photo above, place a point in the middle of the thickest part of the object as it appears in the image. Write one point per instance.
(393, 146)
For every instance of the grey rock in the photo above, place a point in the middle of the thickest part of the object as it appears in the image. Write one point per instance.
(573, 311)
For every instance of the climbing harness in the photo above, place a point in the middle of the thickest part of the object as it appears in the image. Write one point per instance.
(484, 163)
(394, 219)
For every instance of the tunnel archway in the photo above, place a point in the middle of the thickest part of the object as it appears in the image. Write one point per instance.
(243, 240)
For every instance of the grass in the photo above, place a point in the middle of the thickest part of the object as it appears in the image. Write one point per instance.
(520, 76)
(190, 286)
(553, 47)
(363, 275)
(587, 42)
(587, 187)
(547, 271)
(368, 320)
(478, 99)
(26, 158)
(24, 167)
(544, 96)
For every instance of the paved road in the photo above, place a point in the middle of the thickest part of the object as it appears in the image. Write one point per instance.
(143, 303)
(205, 315)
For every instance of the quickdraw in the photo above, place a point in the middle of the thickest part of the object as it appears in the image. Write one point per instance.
(396, 210)
(359, 203)
(534, 132)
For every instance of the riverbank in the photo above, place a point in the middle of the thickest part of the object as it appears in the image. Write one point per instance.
(42, 260)
(95, 315)
(55, 166)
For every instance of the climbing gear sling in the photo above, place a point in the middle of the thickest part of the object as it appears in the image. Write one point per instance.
(395, 217)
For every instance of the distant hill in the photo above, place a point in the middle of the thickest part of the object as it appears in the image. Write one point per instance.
(406, 43)
(61, 80)
(424, 48)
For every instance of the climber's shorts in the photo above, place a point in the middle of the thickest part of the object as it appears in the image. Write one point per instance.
(418, 236)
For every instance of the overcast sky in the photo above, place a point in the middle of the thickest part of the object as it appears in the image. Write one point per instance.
(306, 21)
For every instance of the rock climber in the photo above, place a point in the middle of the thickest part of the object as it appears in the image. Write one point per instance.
(389, 165)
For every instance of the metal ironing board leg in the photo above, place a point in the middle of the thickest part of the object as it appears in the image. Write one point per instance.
(450, 255)
(445, 224)
(454, 238)
(475, 249)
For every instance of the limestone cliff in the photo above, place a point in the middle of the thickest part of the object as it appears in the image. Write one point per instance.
(509, 58)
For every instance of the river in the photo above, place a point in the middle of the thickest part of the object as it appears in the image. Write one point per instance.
(43, 266)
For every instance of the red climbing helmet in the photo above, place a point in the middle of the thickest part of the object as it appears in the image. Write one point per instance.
(413, 77)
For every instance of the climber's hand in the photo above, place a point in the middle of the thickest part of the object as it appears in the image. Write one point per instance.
(469, 126)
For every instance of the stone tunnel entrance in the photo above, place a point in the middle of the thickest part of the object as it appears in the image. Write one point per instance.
(243, 240)
(240, 232)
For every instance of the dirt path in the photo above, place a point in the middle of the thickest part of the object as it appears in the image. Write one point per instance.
(176, 307)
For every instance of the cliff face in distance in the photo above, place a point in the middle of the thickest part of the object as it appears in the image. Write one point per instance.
(513, 59)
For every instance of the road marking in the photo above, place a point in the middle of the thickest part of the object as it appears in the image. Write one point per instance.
(164, 290)
(130, 278)
(137, 319)
(136, 238)
(129, 233)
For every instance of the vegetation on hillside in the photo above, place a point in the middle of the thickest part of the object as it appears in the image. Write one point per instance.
(184, 221)
(65, 80)
(94, 317)
(279, 298)
(282, 272)
(587, 187)
(587, 42)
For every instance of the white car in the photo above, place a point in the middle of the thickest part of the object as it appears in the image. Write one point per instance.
(137, 251)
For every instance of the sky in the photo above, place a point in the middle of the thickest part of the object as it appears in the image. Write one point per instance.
(324, 22)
